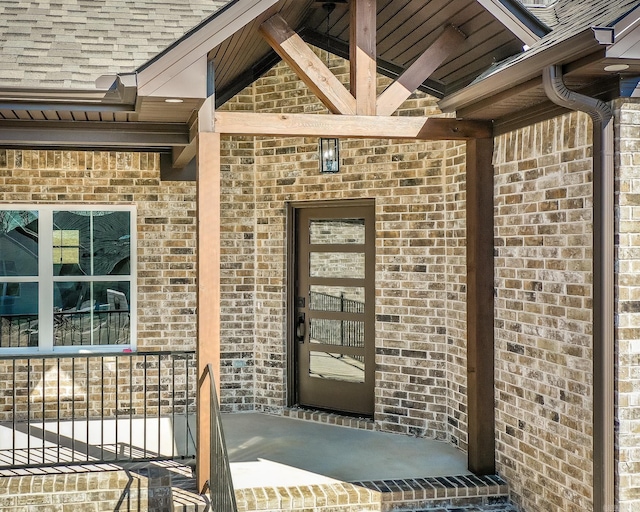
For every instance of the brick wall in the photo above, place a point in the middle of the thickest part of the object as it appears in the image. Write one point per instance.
(543, 278)
(628, 303)
(166, 225)
(166, 256)
(420, 258)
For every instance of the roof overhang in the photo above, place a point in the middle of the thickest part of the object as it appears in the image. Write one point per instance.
(513, 96)
(622, 37)
(182, 74)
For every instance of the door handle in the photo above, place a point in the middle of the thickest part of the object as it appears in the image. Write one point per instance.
(301, 327)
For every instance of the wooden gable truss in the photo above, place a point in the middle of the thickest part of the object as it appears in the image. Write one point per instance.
(356, 113)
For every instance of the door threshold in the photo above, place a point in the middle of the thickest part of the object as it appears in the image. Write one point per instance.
(329, 418)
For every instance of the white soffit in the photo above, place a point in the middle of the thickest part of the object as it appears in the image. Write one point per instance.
(625, 36)
(176, 69)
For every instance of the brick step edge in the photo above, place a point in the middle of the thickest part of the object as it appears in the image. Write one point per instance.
(422, 493)
(335, 496)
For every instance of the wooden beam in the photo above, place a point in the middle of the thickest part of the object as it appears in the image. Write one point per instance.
(362, 59)
(308, 66)
(480, 313)
(208, 280)
(394, 95)
(200, 121)
(182, 155)
(317, 125)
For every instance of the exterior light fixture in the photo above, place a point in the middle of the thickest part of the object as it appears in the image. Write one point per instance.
(329, 156)
(616, 67)
(174, 100)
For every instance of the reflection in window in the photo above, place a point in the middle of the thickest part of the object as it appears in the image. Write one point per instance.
(18, 314)
(87, 269)
(336, 298)
(66, 246)
(18, 243)
(346, 333)
(91, 243)
(332, 366)
(337, 264)
(337, 231)
(91, 313)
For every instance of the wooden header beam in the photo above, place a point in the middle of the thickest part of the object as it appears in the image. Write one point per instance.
(318, 125)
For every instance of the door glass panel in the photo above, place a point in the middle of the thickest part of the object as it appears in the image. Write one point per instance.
(346, 333)
(336, 231)
(336, 298)
(337, 264)
(331, 366)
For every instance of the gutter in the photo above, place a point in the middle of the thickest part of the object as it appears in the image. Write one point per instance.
(603, 282)
(113, 93)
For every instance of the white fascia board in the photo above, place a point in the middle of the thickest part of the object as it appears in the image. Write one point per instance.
(510, 21)
(625, 36)
(186, 57)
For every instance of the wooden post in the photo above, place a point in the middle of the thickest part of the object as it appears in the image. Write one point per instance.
(208, 280)
(480, 311)
(362, 59)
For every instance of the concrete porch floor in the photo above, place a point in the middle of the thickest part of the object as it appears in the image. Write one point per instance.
(283, 463)
(267, 450)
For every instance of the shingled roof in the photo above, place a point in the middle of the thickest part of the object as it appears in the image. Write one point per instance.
(574, 17)
(69, 43)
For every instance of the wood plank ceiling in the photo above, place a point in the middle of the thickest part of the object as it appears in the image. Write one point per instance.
(405, 29)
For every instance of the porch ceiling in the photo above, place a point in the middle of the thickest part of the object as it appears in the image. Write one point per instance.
(405, 29)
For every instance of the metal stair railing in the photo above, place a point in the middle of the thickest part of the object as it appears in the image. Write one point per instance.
(220, 483)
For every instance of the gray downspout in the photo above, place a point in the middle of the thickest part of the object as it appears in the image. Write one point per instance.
(603, 283)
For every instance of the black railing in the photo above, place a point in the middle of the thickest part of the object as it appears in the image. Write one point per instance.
(91, 327)
(220, 483)
(96, 408)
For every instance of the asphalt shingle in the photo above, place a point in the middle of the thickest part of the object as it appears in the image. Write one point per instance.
(574, 16)
(70, 43)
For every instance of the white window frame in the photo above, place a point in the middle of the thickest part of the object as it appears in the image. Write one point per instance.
(46, 278)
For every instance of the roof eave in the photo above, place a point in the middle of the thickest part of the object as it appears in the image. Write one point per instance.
(175, 71)
(622, 37)
(526, 69)
(516, 18)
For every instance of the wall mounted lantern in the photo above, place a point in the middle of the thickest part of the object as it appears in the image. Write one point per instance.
(329, 156)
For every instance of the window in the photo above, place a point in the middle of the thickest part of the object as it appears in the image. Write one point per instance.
(67, 277)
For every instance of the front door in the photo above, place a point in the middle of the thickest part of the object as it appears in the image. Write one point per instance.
(334, 319)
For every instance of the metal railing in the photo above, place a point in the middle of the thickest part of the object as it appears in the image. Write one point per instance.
(96, 408)
(220, 483)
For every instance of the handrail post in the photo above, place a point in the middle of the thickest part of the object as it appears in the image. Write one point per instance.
(219, 483)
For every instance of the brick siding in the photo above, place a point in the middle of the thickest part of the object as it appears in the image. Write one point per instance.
(417, 285)
(543, 313)
(628, 303)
